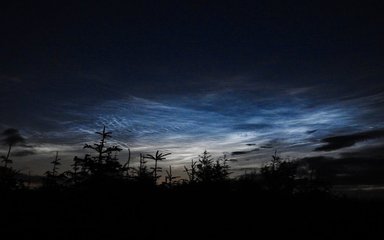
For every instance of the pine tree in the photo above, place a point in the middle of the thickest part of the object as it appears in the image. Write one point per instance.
(205, 167)
(170, 178)
(105, 162)
(191, 172)
(52, 177)
(143, 175)
(157, 157)
(208, 170)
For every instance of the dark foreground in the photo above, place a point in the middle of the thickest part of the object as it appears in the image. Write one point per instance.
(187, 212)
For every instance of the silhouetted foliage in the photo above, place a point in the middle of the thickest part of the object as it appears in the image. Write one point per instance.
(221, 168)
(170, 178)
(76, 174)
(308, 181)
(105, 162)
(9, 179)
(53, 179)
(208, 170)
(143, 175)
(279, 175)
(191, 172)
(159, 156)
(80, 170)
(99, 188)
(11, 137)
(291, 177)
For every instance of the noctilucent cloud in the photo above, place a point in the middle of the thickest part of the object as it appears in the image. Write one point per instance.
(240, 79)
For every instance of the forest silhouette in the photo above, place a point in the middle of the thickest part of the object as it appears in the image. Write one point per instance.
(101, 197)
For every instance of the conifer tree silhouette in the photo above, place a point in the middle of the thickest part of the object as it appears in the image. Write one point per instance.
(56, 164)
(75, 167)
(157, 157)
(105, 162)
(170, 178)
(208, 170)
(53, 177)
(191, 172)
(143, 176)
(205, 167)
(221, 168)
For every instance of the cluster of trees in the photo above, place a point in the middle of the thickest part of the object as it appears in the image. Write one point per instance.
(102, 166)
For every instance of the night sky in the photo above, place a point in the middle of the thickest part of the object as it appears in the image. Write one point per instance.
(237, 77)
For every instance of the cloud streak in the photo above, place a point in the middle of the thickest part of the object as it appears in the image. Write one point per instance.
(338, 142)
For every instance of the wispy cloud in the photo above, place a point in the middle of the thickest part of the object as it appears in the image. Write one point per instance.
(219, 121)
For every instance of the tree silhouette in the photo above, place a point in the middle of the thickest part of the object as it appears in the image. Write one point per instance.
(52, 177)
(157, 157)
(279, 175)
(221, 168)
(191, 172)
(105, 162)
(170, 178)
(205, 167)
(143, 175)
(11, 138)
(75, 167)
(55, 164)
(208, 170)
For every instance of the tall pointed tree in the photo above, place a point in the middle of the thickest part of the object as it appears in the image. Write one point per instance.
(205, 167)
(170, 178)
(157, 157)
(105, 162)
(52, 177)
(191, 172)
